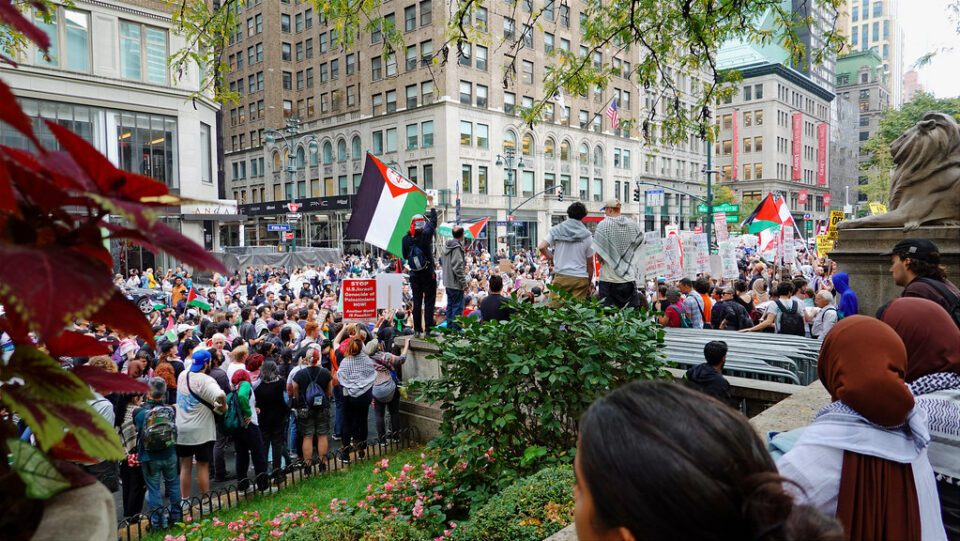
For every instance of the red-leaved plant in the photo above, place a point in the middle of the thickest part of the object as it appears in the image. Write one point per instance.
(54, 270)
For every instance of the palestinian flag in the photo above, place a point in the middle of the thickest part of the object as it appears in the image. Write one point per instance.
(383, 207)
(770, 213)
(195, 300)
(471, 229)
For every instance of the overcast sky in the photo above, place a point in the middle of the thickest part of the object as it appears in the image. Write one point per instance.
(928, 27)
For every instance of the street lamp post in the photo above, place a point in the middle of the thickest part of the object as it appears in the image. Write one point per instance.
(291, 130)
(506, 160)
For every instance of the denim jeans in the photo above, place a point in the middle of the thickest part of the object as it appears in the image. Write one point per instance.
(338, 413)
(168, 471)
(454, 306)
(292, 438)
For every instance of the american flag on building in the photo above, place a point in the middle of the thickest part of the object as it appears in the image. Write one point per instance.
(613, 114)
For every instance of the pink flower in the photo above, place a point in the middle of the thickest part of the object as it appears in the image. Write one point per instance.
(384, 463)
(406, 468)
(217, 522)
(276, 533)
(418, 508)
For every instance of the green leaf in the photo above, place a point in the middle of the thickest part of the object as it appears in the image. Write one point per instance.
(45, 377)
(42, 479)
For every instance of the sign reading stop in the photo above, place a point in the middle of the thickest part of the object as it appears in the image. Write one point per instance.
(293, 207)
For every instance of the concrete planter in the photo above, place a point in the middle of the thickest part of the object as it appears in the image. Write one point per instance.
(82, 513)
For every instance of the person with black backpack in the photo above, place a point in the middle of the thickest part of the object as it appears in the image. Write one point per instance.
(417, 247)
(310, 392)
(156, 424)
(784, 313)
(915, 265)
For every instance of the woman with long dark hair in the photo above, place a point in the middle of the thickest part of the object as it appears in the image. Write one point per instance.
(356, 374)
(658, 461)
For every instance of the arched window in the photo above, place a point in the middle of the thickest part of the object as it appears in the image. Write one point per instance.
(550, 149)
(341, 150)
(314, 156)
(527, 147)
(327, 153)
(301, 158)
(565, 151)
(509, 140)
(598, 157)
(277, 165)
(584, 153)
(355, 152)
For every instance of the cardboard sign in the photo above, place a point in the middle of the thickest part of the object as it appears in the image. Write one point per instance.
(836, 216)
(720, 226)
(654, 259)
(728, 261)
(505, 266)
(824, 245)
(671, 257)
(359, 300)
(789, 246)
(389, 291)
(877, 208)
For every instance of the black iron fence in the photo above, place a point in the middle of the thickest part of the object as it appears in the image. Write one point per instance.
(137, 526)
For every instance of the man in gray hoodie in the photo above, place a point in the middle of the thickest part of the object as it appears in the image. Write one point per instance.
(454, 275)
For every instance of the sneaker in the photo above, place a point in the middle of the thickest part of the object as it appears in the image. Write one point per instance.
(336, 437)
(344, 459)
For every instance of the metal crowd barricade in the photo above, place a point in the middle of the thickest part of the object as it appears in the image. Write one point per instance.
(763, 356)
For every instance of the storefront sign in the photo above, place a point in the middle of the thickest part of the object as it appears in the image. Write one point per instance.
(315, 204)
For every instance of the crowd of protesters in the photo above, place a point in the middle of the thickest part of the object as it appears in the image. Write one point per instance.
(262, 361)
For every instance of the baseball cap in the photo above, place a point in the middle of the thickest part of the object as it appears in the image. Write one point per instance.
(273, 324)
(200, 358)
(612, 203)
(915, 249)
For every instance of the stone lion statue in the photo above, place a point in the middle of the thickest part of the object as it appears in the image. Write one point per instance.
(925, 188)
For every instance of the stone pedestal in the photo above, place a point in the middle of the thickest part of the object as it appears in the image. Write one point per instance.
(856, 253)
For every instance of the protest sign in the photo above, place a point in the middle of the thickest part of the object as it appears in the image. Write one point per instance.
(359, 300)
(720, 226)
(789, 246)
(389, 291)
(671, 257)
(728, 261)
(654, 262)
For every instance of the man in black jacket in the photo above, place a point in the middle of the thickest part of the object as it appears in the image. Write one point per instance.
(708, 377)
(418, 254)
(729, 315)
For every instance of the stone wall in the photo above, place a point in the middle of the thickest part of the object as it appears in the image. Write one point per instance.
(856, 253)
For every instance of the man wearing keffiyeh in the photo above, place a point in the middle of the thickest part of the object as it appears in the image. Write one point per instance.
(617, 241)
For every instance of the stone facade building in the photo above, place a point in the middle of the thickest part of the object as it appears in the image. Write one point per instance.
(440, 116)
(107, 79)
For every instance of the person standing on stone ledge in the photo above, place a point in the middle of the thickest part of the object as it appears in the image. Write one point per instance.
(915, 265)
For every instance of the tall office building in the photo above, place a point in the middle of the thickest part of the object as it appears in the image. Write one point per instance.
(439, 115)
(874, 25)
(106, 78)
(911, 85)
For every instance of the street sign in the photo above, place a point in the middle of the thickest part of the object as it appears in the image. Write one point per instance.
(294, 217)
(278, 227)
(288, 236)
(654, 198)
(293, 207)
(728, 208)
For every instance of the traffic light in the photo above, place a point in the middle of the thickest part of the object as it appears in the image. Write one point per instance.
(636, 194)
(560, 193)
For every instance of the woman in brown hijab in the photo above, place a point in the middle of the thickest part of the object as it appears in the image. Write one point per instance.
(933, 375)
(864, 457)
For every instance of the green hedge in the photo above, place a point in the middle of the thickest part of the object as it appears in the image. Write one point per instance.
(530, 509)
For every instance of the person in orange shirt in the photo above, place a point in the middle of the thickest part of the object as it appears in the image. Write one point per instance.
(702, 287)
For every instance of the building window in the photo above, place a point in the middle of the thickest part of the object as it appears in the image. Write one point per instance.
(410, 18)
(355, 151)
(351, 63)
(377, 102)
(391, 140)
(286, 52)
(463, 56)
(426, 12)
(426, 92)
(481, 58)
(466, 133)
(482, 96)
(287, 80)
(69, 33)
(391, 101)
(527, 72)
(483, 136)
(377, 142)
(509, 28)
(480, 19)
(376, 68)
(391, 62)
(426, 133)
(148, 146)
(143, 53)
(466, 93)
(509, 103)
(285, 23)
(466, 178)
(412, 131)
(411, 96)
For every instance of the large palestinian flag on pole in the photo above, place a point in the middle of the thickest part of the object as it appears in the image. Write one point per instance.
(383, 207)
(770, 213)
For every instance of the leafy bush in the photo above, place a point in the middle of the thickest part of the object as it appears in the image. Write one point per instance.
(512, 393)
(530, 509)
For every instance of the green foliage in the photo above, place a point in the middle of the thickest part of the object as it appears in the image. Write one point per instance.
(512, 393)
(878, 169)
(207, 29)
(36, 470)
(530, 509)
